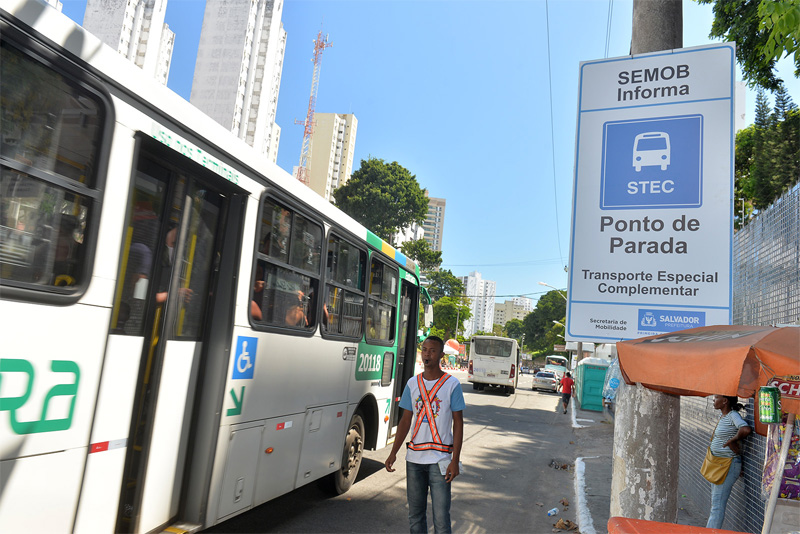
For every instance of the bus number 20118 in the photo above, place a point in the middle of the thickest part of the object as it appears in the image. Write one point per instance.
(369, 362)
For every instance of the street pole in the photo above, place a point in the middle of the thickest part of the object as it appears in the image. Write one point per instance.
(644, 481)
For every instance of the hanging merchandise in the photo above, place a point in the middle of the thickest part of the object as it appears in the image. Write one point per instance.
(789, 470)
(769, 404)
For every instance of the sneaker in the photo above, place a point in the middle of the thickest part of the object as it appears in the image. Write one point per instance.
(565, 410)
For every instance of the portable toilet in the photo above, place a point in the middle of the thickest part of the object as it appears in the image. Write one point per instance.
(590, 376)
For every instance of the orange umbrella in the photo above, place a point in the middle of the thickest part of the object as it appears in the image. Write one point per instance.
(724, 360)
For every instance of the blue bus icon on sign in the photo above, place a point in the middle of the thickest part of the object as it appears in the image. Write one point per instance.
(245, 363)
(652, 163)
(651, 148)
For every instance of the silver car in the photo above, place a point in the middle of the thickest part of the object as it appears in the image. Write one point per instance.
(545, 380)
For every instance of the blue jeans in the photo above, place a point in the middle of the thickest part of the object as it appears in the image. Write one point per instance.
(420, 477)
(721, 492)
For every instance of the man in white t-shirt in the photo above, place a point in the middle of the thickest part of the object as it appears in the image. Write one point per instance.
(434, 450)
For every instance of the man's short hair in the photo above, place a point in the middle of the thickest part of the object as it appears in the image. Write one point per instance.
(569, 374)
(437, 339)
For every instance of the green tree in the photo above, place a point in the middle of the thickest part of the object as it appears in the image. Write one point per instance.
(421, 252)
(784, 143)
(444, 284)
(447, 311)
(759, 173)
(515, 328)
(537, 324)
(782, 21)
(768, 152)
(758, 47)
(384, 197)
(498, 330)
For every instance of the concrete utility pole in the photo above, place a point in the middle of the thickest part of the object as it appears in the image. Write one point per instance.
(657, 25)
(644, 483)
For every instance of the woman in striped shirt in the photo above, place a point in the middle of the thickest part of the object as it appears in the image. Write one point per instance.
(730, 430)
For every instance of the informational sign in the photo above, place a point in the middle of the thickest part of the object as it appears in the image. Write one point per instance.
(652, 225)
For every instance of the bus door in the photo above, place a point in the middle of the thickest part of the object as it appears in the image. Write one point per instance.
(167, 288)
(406, 347)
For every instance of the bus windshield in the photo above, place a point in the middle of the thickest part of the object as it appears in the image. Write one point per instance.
(493, 347)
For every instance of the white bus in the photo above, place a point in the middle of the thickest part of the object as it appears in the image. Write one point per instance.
(493, 362)
(187, 332)
(556, 364)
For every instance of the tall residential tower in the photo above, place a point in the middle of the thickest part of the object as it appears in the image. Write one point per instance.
(332, 147)
(481, 295)
(237, 75)
(434, 222)
(136, 29)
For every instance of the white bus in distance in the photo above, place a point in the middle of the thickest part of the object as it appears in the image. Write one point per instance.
(493, 362)
(556, 364)
(187, 331)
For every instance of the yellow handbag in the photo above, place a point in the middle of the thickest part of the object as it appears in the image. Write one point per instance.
(715, 468)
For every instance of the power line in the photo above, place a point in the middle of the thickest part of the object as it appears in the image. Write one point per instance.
(608, 25)
(552, 135)
(504, 264)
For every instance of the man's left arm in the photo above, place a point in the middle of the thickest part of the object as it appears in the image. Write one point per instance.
(458, 437)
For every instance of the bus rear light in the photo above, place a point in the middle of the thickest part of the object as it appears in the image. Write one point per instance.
(513, 369)
(470, 367)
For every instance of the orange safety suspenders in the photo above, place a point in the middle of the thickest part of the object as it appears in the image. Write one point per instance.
(427, 411)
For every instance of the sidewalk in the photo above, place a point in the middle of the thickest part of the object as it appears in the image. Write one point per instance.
(594, 436)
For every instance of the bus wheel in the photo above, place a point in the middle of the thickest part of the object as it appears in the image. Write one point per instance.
(511, 390)
(474, 385)
(353, 452)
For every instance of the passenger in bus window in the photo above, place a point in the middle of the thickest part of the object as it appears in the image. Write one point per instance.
(167, 261)
(296, 315)
(258, 295)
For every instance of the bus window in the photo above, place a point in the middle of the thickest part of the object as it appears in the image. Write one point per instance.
(287, 272)
(344, 290)
(382, 303)
(493, 347)
(49, 147)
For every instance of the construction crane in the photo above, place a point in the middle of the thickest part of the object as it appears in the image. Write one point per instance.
(320, 45)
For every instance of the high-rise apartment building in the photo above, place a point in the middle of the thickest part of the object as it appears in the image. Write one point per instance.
(434, 222)
(481, 295)
(136, 29)
(517, 308)
(237, 75)
(415, 232)
(332, 147)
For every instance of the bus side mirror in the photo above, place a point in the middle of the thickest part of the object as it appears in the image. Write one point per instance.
(428, 315)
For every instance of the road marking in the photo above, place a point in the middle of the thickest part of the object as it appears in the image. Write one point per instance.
(583, 515)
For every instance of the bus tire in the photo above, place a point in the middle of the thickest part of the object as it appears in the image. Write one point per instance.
(474, 385)
(512, 390)
(352, 454)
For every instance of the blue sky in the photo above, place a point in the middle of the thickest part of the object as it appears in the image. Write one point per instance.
(458, 92)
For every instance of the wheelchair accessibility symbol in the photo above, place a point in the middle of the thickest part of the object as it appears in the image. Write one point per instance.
(244, 365)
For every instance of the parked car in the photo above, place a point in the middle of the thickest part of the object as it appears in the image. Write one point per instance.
(524, 370)
(545, 380)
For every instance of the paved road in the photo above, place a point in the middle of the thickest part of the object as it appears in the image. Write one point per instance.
(508, 484)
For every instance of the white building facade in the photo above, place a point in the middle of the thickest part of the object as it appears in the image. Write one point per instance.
(415, 232)
(434, 222)
(516, 308)
(481, 295)
(332, 148)
(238, 70)
(136, 29)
